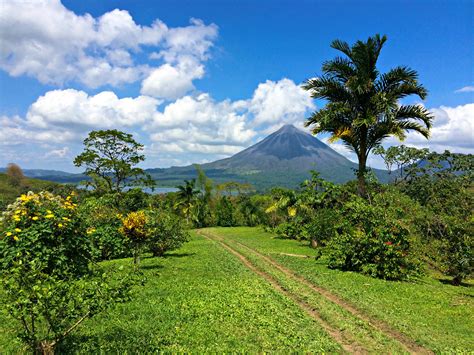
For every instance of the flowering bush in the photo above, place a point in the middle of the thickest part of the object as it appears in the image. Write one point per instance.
(102, 221)
(49, 283)
(135, 230)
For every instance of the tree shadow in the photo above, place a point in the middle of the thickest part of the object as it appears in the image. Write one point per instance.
(449, 282)
(177, 255)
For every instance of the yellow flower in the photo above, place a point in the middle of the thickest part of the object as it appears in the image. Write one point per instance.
(18, 230)
(15, 238)
(35, 218)
(16, 218)
(50, 215)
(49, 211)
(66, 219)
(60, 225)
(9, 234)
(17, 211)
(24, 198)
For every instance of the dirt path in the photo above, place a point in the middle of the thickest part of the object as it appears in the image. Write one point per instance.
(346, 344)
(407, 343)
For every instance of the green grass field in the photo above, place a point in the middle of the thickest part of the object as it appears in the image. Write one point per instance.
(217, 295)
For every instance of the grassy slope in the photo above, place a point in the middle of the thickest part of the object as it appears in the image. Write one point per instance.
(8, 192)
(200, 299)
(436, 315)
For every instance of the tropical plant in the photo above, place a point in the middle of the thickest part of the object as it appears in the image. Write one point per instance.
(110, 158)
(364, 105)
(186, 198)
(134, 228)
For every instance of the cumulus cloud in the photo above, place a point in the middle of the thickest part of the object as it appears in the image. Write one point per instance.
(465, 89)
(73, 108)
(45, 40)
(279, 102)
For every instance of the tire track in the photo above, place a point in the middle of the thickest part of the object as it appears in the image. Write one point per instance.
(407, 343)
(338, 336)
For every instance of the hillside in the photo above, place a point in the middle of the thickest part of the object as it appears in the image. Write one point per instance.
(284, 158)
(8, 193)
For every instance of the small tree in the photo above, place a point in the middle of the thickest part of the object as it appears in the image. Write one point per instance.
(15, 174)
(134, 228)
(110, 158)
(402, 157)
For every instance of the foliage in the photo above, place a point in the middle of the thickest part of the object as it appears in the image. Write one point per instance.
(363, 105)
(225, 212)
(166, 232)
(402, 157)
(101, 219)
(134, 228)
(187, 199)
(15, 174)
(49, 283)
(110, 158)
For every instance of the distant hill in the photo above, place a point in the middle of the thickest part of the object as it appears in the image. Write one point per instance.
(284, 158)
(9, 193)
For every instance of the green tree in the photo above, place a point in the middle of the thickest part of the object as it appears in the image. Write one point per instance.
(186, 198)
(363, 106)
(110, 158)
(15, 174)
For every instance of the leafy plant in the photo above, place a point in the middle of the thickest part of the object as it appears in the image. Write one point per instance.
(50, 285)
(166, 232)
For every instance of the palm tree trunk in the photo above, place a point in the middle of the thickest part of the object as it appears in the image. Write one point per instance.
(361, 186)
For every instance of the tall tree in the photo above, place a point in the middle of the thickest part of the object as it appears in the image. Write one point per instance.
(363, 106)
(110, 158)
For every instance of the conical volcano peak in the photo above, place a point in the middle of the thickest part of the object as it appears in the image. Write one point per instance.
(288, 128)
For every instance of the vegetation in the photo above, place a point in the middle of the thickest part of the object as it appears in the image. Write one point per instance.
(356, 267)
(48, 281)
(363, 105)
(110, 157)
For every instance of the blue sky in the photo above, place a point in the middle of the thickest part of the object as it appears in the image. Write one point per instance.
(200, 80)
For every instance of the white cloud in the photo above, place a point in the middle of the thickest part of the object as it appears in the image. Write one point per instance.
(59, 153)
(465, 89)
(453, 129)
(45, 40)
(72, 108)
(279, 102)
(171, 82)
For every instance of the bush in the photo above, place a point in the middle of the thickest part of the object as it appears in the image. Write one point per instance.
(370, 241)
(166, 232)
(134, 228)
(49, 282)
(102, 222)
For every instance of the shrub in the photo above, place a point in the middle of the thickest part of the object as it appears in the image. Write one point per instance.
(50, 285)
(102, 222)
(166, 232)
(371, 242)
(134, 228)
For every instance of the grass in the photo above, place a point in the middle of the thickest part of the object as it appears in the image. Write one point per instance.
(202, 298)
(436, 315)
(199, 299)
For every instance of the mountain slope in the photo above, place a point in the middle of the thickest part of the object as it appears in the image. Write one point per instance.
(284, 158)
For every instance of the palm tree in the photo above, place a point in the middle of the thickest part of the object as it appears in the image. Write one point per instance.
(186, 197)
(363, 105)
